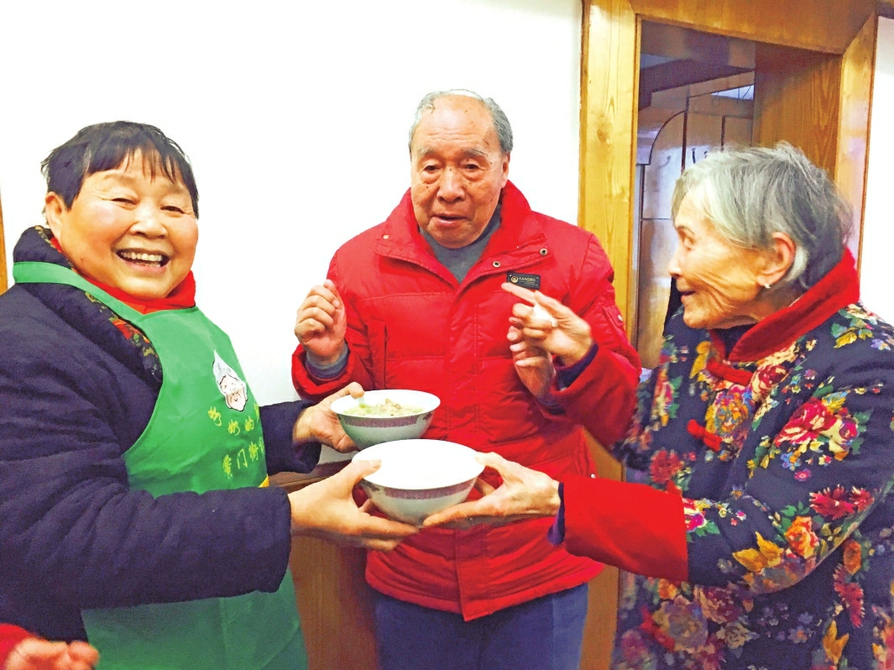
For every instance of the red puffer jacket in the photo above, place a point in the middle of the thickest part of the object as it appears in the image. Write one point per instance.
(411, 325)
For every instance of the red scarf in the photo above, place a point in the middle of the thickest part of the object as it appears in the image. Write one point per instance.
(183, 296)
(839, 288)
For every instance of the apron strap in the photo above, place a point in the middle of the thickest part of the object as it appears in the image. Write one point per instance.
(48, 273)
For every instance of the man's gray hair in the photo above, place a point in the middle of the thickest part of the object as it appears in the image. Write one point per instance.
(749, 193)
(501, 123)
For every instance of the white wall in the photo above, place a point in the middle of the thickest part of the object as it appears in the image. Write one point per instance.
(878, 225)
(295, 117)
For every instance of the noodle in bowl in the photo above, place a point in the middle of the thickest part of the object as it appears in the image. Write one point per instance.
(385, 415)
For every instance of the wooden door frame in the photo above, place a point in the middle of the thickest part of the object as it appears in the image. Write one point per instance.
(3, 279)
(609, 85)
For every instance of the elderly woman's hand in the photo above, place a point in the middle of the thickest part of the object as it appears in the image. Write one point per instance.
(327, 510)
(533, 363)
(319, 423)
(524, 494)
(548, 324)
(34, 653)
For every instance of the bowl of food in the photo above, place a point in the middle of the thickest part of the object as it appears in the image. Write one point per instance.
(385, 415)
(419, 477)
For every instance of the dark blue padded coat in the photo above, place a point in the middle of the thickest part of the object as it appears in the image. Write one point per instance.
(75, 394)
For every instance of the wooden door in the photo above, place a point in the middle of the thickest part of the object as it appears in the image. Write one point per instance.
(3, 280)
(698, 117)
(820, 101)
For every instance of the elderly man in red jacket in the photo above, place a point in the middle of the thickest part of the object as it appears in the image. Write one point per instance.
(415, 302)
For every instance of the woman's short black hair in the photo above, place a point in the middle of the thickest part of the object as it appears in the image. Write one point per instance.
(106, 146)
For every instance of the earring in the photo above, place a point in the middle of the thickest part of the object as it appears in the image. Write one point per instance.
(768, 286)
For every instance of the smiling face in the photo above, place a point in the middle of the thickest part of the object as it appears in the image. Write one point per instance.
(233, 390)
(128, 230)
(719, 283)
(457, 170)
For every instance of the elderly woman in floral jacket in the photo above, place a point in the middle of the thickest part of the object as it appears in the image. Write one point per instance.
(762, 535)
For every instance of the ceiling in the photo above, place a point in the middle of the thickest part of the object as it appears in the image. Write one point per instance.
(672, 57)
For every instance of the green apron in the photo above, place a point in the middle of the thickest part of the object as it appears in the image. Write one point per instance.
(203, 403)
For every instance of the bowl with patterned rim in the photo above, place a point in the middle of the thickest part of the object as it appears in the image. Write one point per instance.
(419, 477)
(385, 415)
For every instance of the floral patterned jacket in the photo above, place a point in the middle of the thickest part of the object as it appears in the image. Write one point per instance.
(769, 542)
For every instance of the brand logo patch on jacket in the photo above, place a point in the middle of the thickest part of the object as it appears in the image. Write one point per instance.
(524, 280)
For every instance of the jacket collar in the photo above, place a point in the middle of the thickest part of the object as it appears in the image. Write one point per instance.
(838, 289)
(96, 321)
(182, 297)
(401, 238)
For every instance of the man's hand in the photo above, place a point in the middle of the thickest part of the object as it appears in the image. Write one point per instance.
(34, 653)
(319, 423)
(327, 510)
(524, 494)
(321, 323)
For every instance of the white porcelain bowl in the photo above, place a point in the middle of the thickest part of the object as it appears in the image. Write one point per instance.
(369, 430)
(419, 477)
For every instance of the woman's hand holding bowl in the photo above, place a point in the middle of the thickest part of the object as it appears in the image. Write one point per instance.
(524, 494)
(319, 423)
(327, 510)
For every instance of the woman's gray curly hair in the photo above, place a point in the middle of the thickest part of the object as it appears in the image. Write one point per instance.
(749, 193)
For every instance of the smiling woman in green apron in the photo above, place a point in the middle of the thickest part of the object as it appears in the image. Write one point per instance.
(134, 458)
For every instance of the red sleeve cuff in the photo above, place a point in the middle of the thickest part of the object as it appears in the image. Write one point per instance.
(609, 382)
(631, 526)
(313, 389)
(10, 636)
